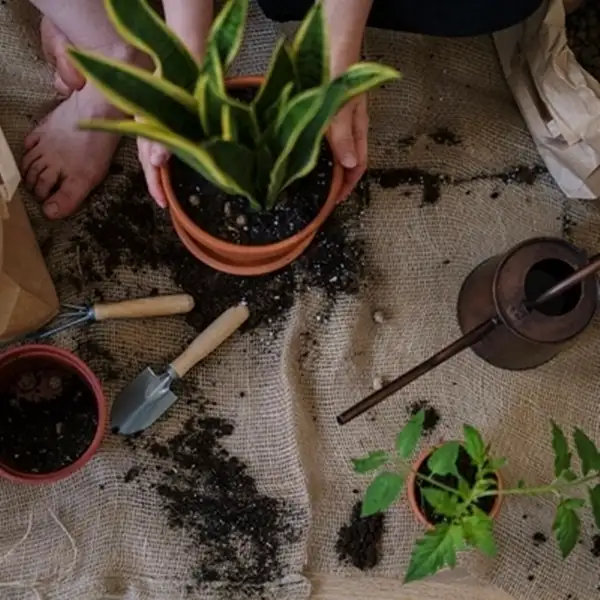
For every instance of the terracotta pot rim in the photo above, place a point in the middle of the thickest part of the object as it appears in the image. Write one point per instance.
(263, 268)
(66, 359)
(201, 237)
(411, 484)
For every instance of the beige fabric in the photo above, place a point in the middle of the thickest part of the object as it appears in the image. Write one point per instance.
(417, 258)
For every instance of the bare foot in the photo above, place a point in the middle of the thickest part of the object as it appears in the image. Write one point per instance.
(67, 78)
(62, 164)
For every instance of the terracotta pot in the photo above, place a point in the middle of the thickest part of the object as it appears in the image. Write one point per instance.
(235, 258)
(411, 484)
(31, 357)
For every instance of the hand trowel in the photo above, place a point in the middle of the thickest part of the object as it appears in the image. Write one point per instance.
(149, 395)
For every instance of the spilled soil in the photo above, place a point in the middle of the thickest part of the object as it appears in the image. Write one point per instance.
(128, 230)
(432, 416)
(211, 496)
(359, 540)
(48, 419)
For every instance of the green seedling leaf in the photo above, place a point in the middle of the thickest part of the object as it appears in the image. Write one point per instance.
(444, 503)
(562, 456)
(478, 531)
(520, 484)
(587, 452)
(434, 551)
(409, 436)
(443, 460)
(566, 527)
(496, 463)
(464, 489)
(141, 26)
(372, 461)
(311, 50)
(474, 446)
(382, 493)
(568, 475)
(595, 502)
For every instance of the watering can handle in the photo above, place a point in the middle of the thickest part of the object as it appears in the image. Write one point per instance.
(466, 341)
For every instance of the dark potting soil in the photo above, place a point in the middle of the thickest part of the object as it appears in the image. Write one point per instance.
(48, 419)
(127, 230)
(583, 35)
(539, 538)
(359, 540)
(230, 217)
(238, 532)
(467, 470)
(596, 546)
(432, 416)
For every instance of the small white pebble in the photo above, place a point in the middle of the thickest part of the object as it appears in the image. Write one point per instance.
(227, 209)
(194, 200)
(378, 317)
(59, 428)
(241, 220)
(377, 383)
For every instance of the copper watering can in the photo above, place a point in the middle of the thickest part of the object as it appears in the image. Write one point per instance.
(516, 310)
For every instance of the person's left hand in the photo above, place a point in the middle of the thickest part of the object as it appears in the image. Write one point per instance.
(348, 139)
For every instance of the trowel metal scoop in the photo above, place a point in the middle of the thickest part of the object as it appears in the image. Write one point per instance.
(149, 395)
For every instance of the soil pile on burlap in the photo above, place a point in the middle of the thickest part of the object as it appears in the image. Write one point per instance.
(454, 180)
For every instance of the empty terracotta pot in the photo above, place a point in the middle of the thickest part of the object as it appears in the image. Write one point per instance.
(238, 259)
(411, 484)
(35, 357)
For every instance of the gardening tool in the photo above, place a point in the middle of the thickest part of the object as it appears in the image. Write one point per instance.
(517, 311)
(149, 395)
(155, 306)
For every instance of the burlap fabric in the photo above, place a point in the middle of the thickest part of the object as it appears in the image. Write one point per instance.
(115, 542)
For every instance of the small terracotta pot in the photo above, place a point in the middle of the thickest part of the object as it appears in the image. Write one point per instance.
(235, 258)
(31, 357)
(411, 485)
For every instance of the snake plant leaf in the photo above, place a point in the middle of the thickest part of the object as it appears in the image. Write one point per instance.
(358, 79)
(280, 75)
(264, 167)
(210, 104)
(214, 69)
(209, 159)
(228, 126)
(288, 129)
(311, 49)
(138, 24)
(140, 93)
(227, 31)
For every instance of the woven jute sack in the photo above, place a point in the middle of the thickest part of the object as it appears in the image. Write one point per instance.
(28, 299)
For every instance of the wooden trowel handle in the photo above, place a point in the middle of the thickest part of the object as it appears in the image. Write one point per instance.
(210, 339)
(157, 306)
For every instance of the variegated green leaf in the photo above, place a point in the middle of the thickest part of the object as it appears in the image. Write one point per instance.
(280, 76)
(209, 159)
(311, 49)
(288, 128)
(227, 31)
(139, 93)
(210, 104)
(356, 80)
(139, 25)
(214, 69)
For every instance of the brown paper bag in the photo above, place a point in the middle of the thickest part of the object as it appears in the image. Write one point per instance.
(28, 299)
(559, 99)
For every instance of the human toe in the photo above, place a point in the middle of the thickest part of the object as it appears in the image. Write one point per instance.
(33, 171)
(66, 199)
(46, 181)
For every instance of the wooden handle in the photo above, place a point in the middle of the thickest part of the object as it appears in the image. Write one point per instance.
(210, 339)
(157, 306)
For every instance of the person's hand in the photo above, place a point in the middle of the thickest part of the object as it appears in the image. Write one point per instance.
(348, 139)
(152, 156)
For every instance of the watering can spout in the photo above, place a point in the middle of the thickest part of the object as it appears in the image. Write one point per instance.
(502, 323)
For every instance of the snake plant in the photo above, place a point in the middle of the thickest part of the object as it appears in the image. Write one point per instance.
(254, 149)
